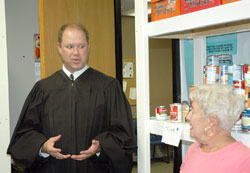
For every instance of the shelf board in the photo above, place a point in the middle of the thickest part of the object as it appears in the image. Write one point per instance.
(228, 18)
(156, 127)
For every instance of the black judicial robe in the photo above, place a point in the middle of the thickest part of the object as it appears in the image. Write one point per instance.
(91, 107)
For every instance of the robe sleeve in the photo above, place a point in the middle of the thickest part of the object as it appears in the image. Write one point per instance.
(118, 142)
(27, 138)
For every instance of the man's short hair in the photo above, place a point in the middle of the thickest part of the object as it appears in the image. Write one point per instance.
(72, 25)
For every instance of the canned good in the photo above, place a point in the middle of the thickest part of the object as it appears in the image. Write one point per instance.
(237, 125)
(185, 109)
(161, 112)
(248, 96)
(204, 74)
(230, 74)
(212, 74)
(176, 112)
(191, 89)
(245, 120)
(239, 84)
(245, 70)
(237, 72)
(247, 75)
(247, 84)
(224, 74)
(213, 60)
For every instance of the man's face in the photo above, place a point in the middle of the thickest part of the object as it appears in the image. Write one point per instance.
(74, 49)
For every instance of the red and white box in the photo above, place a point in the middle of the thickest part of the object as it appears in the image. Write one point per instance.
(188, 6)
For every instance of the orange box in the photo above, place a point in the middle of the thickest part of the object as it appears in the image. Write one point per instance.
(228, 1)
(165, 9)
(153, 1)
(188, 6)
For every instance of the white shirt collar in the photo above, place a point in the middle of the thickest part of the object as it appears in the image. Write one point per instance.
(76, 74)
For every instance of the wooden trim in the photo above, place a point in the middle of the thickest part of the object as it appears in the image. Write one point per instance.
(41, 28)
(118, 40)
(177, 96)
(176, 71)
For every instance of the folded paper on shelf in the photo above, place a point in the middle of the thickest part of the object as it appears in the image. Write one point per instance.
(172, 133)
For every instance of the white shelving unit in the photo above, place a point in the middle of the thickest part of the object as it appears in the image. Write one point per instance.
(156, 127)
(229, 18)
(187, 25)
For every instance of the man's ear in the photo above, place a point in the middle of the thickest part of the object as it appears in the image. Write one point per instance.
(59, 47)
(88, 47)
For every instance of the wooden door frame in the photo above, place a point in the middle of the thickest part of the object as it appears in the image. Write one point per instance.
(118, 40)
(176, 96)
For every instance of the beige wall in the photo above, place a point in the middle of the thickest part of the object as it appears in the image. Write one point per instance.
(160, 65)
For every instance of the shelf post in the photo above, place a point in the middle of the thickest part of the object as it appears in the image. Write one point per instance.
(142, 85)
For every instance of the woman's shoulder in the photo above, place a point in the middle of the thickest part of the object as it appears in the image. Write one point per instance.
(241, 155)
(242, 148)
(237, 152)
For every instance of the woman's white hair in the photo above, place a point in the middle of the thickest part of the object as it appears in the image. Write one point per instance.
(221, 100)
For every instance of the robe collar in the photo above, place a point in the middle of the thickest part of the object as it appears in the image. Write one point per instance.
(76, 74)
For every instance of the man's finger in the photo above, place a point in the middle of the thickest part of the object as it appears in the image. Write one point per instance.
(96, 145)
(80, 157)
(55, 138)
(61, 156)
(85, 152)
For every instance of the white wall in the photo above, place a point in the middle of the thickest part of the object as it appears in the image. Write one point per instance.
(22, 22)
(4, 94)
(243, 53)
(18, 23)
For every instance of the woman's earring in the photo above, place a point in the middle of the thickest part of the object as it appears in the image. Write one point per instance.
(209, 131)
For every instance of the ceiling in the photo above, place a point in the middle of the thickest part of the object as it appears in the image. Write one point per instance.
(127, 7)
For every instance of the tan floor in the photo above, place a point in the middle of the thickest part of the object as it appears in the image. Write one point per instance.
(158, 167)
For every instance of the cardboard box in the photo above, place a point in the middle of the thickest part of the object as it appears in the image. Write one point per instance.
(165, 9)
(228, 1)
(188, 6)
(154, 1)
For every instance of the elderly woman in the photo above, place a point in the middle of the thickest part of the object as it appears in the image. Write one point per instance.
(215, 109)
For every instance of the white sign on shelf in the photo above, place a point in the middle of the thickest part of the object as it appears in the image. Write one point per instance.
(172, 133)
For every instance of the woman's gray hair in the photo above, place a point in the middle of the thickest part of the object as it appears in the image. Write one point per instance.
(220, 100)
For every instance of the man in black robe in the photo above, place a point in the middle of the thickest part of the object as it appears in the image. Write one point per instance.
(76, 120)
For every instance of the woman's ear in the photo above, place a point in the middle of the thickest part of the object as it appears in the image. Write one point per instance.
(213, 120)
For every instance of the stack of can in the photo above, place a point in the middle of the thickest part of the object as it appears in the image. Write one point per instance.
(236, 75)
(216, 69)
(232, 74)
